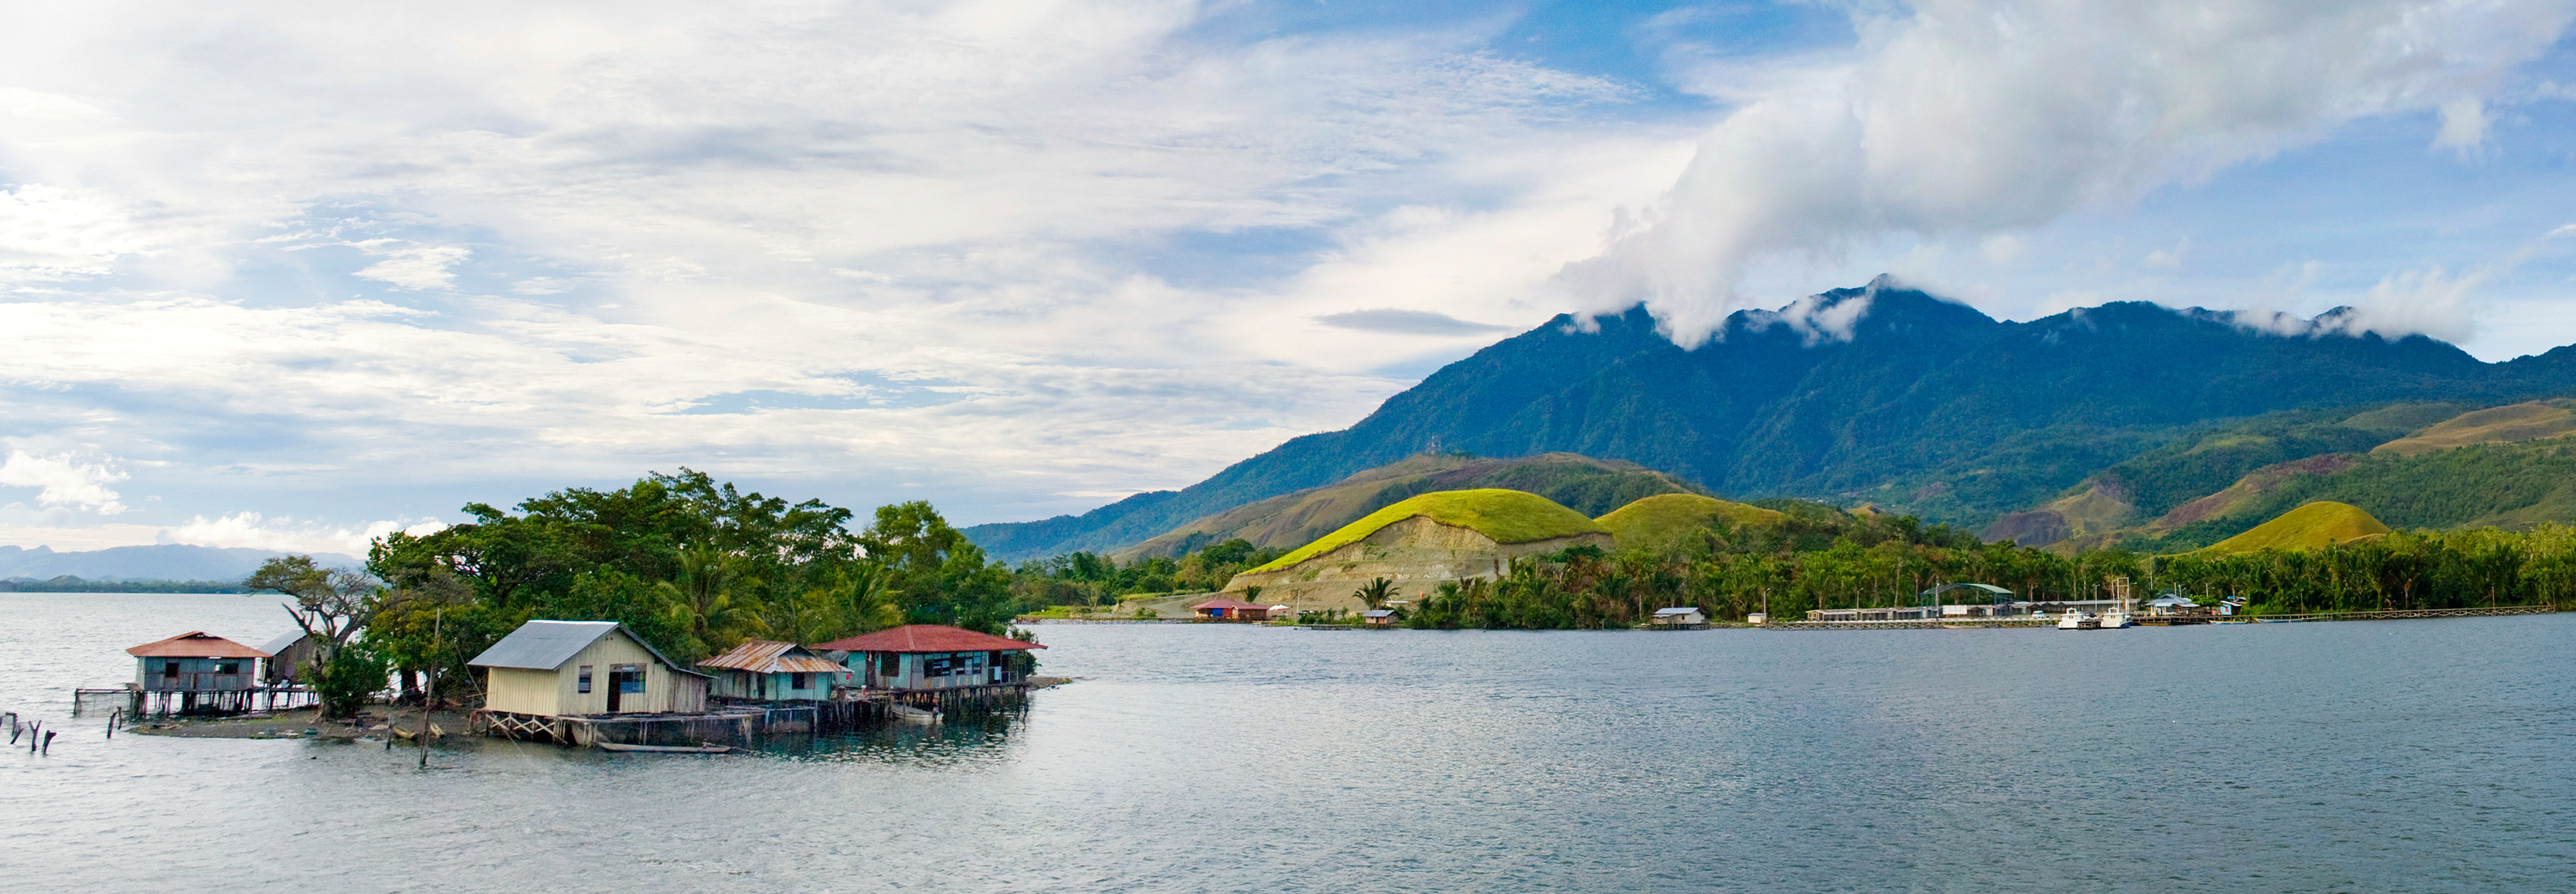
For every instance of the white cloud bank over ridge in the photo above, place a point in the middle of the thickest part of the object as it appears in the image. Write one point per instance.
(1971, 117)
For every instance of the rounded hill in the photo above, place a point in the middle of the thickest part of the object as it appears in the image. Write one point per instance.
(1507, 516)
(1663, 518)
(2314, 526)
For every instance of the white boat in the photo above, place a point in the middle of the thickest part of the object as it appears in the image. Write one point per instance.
(2075, 619)
(910, 714)
(2116, 619)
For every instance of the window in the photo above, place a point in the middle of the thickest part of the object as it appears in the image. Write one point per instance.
(170, 669)
(584, 685)
(629, 678)
(228, 667)
(800, 681)
(888, 664)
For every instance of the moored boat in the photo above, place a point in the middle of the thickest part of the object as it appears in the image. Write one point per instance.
(2075, 619)
(910, 714)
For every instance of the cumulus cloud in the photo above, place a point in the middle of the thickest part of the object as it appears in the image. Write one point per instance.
(1977, 116)
(255, 531)
(64, 480)
(416, 267)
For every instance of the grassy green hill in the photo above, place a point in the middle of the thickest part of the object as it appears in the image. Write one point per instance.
(1584, 484)
(1508, 516)
(2313, 526)
(1659, 520)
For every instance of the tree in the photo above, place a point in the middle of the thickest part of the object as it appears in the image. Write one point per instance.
(1376, 593)
(331, 605)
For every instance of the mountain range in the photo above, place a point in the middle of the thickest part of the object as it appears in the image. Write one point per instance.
(1885, 395)
(168, 561)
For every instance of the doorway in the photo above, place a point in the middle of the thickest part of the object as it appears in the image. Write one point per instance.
(624, 680)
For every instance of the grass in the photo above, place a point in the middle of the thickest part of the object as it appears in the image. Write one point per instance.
(2494, 425)
(1508, 516)
(2313, 526)
(1663, 517)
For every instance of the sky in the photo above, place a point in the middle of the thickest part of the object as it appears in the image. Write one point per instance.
(291, 276)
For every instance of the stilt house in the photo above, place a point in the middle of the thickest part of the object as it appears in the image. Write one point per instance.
(205, 669)
(767, 670)
(565, 668)
(927, 656)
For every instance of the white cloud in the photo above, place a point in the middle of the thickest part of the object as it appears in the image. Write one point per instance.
(2464, 125)
(50, 233)
(64, 480)
(255, 531)
(416, 267)
(1981, 116)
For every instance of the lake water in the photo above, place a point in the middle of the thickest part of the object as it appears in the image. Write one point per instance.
(2383, 756)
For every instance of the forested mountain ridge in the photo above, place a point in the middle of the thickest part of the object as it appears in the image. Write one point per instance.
(1882, 393)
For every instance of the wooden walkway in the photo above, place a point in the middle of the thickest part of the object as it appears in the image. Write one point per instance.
(2400, 614)
(1940, 624)
(2027, 621)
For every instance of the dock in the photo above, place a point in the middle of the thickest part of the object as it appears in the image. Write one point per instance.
(742, 724)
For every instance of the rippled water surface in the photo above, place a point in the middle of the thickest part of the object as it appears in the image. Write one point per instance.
(2384, 756)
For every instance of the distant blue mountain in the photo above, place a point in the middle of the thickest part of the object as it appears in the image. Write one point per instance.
(174, 561)
(1884, 393)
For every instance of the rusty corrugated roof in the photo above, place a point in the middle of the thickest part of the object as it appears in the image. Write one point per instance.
(925, 638)
(761, 656)
(195, 644)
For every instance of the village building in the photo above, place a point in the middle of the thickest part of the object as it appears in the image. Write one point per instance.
(920, 657)
(572, 668)
(288, 655)
(192, 673)
(1224, 609)
(1378, 617)
(768, 670)
(1679, 618)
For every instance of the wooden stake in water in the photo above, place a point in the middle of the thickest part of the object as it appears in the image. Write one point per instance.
(429, 695)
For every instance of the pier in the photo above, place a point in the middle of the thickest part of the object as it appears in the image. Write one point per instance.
(740, 724)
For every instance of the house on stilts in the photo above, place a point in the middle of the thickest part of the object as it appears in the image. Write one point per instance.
(200, 673)
(767, 670)
(931, 665)
(593, 682)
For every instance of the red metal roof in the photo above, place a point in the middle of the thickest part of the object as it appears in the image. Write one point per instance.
(924, 638)
(761, 656)
(1227, 604)
(195, 644)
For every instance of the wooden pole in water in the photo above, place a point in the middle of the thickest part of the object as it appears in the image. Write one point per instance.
(49, 743)
(429, 695)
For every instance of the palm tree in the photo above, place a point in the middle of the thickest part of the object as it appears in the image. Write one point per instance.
(1376, 594)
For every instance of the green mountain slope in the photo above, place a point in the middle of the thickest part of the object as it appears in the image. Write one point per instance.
(2314, 526)
(1928, 407)
(1659, 520)
(1584, 484)
(1508, 516)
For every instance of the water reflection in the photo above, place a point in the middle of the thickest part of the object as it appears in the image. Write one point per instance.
(962, 738)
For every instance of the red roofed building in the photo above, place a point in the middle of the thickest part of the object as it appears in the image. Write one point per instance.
(1223, 609)
(193, 672)
(927, 656)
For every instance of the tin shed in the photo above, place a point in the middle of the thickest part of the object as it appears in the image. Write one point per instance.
(767, 670)
(560, 668)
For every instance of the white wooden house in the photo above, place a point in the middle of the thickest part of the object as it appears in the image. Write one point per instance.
(573, 668)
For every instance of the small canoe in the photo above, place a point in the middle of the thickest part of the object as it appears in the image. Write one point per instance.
(910, 714)
(666, 749)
